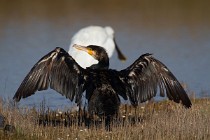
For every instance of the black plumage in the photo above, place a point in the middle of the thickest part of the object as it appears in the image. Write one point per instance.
(139, 82)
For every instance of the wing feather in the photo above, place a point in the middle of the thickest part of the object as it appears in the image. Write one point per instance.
(146, 76)
(57, 70)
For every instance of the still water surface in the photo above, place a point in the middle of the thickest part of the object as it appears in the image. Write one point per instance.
(177, 33)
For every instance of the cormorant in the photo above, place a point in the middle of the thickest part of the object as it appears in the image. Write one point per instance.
(139, 82)
(94, 35)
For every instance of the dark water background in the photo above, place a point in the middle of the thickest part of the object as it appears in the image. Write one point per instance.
(176, 32)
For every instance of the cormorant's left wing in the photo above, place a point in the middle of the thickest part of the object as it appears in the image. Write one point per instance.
(57, 70)
(146, 76)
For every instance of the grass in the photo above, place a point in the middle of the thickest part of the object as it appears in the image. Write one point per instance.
(162, 120)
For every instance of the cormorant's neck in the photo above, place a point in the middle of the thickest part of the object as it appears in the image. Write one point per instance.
(103, 63)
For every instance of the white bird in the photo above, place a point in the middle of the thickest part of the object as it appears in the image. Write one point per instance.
(94, 35)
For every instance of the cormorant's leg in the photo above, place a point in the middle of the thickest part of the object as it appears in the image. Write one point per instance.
(107, 123)
(80, 115)
(126, 109)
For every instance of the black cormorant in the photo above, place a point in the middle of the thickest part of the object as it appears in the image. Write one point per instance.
(139, 82)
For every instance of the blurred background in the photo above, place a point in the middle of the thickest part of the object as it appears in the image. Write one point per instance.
(177, 32)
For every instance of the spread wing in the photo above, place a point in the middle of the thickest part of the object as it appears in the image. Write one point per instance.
(146, 76)
(57, 70)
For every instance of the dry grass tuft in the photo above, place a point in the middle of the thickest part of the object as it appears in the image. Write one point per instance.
(162, 120)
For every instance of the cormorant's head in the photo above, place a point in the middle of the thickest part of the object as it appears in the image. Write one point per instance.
(97, 53)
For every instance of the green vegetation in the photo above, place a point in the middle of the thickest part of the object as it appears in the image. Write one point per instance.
(160, 120)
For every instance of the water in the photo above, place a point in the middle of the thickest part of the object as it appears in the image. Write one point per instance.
(177, 33)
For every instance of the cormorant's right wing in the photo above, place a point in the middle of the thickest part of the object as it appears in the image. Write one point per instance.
(57, 70)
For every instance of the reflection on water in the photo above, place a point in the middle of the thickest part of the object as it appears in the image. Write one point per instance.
(178, 33)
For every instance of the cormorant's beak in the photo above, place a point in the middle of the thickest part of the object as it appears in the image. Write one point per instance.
(84, 48)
